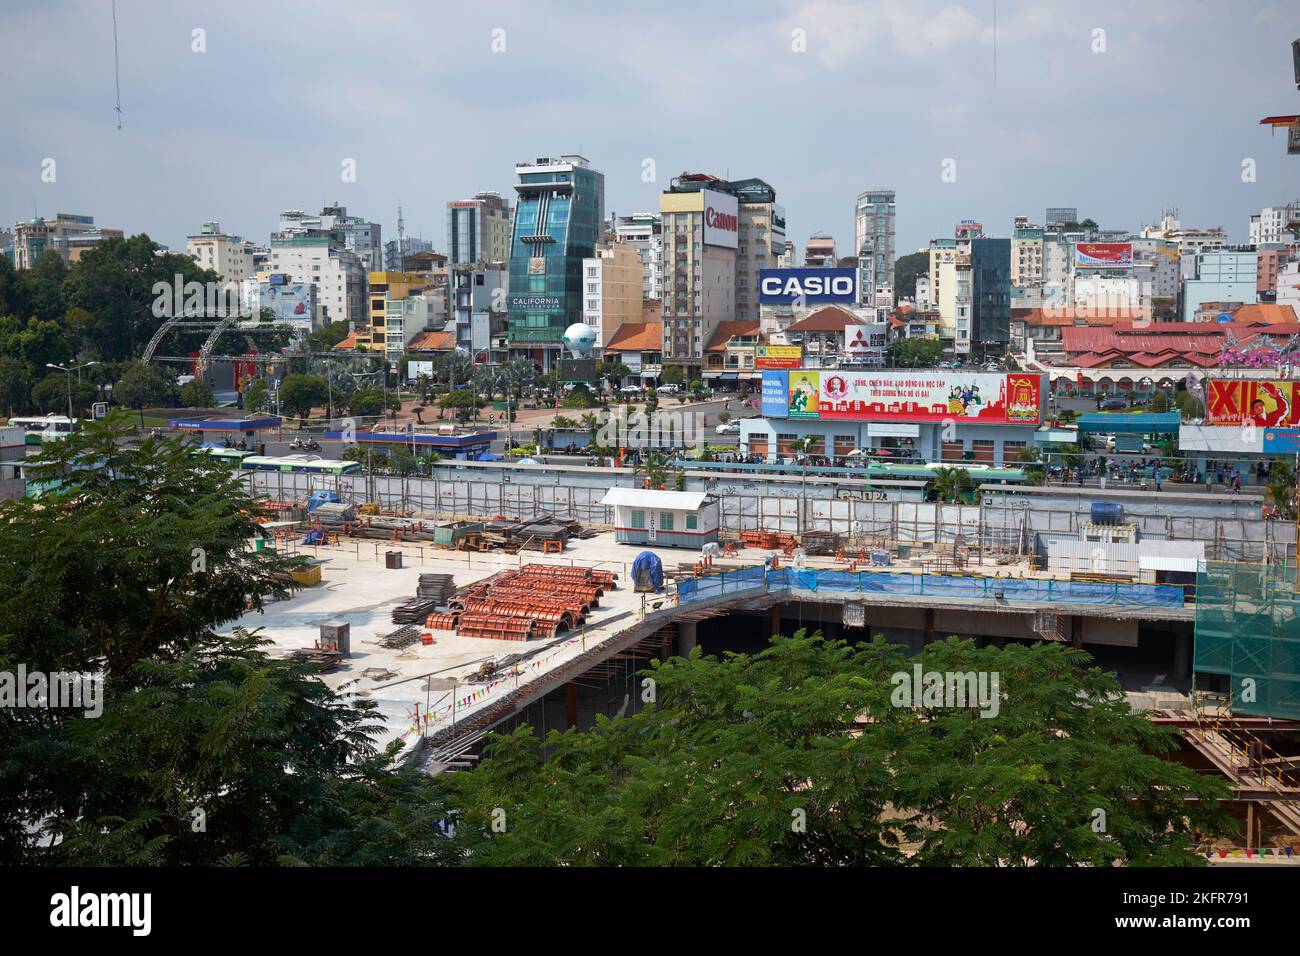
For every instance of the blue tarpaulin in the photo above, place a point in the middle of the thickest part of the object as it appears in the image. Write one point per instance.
(648, 572)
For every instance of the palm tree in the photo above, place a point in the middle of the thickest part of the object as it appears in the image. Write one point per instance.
(948, 483)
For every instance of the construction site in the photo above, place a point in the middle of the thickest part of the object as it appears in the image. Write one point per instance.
(457, 624)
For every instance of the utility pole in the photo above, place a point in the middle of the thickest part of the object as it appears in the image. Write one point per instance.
(68, 375)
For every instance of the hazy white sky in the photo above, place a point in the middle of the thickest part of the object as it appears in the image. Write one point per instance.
(883, 92)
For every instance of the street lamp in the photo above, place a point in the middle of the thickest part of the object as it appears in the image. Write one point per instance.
(68, 374)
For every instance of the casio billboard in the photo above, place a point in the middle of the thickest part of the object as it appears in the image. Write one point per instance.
(812, 286)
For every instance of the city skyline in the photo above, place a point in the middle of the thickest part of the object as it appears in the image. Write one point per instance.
(208, 133)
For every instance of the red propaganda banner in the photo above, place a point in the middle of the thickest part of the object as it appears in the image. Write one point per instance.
(1267, 404)
(920, 396)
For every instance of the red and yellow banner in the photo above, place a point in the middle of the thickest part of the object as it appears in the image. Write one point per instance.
(1267, 404)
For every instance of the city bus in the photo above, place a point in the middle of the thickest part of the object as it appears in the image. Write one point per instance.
(46, 428)
(309, 464)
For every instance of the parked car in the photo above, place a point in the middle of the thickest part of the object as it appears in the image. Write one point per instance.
(670, 389)
(728, 428)
(1113, 405)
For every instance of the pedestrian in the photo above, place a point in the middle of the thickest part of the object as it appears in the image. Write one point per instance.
(1236, 481)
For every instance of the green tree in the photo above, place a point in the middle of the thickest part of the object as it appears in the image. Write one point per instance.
(950, 483)
(579, 397)
(196, 394)
(325, 338)
(15, 385)
(1281, 489)
(257, 396)
(299, 394)
(734, 749)
(462, 402)
(917, 353)
(129, 571)
(673, 375)
(142, 386)
(1032, 459)
(906, 270)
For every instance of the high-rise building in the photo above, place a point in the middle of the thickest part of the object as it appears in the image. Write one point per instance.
(874, 220)
(478, 306)
(402, 305)
(306, 250)
(1222, 275)
(611, 289)
(820, 251)
(643, 231)
(990, 270)
(1060, 216)
(1275, 224)
(360, 237)
(478, 229)
(1027, 256)
(701, 229)
(559, 216)
(397, 250)
(760, 241)
(68, 234)
(230, 256)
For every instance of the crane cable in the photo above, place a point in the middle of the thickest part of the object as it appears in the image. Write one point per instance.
(117, 79)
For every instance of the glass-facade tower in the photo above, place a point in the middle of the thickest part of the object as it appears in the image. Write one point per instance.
(558, 220)
(990, 268)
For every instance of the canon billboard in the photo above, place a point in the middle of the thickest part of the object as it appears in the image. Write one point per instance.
(809, 286)
(721, 220)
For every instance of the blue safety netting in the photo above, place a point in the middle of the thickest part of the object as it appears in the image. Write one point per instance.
(933, 585)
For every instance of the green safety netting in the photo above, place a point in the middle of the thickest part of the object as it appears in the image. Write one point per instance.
(1248, 628)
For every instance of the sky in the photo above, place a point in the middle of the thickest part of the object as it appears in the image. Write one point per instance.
(1119, 109)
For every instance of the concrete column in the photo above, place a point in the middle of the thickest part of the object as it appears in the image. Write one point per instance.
(571, 704)
(1182, 655)
(685, 638)
(929, 626)
(1076, 630)
(775, 616)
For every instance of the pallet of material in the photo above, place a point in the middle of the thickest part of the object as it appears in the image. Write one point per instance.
(414, 610)
(323, 660)
(402, 637)
(436, 587)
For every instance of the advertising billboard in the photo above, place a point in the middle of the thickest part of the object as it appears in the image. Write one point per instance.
(915, 396)
(1104, 255)
(920, 396)
(578, 370)
(291, 302)
(805, 394)
(1281, 441)
(721, 220)
(776, 394)
(1266, 404)
(811, 286)
(778, 356)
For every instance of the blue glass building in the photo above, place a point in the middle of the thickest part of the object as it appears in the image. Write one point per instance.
(558, 220)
